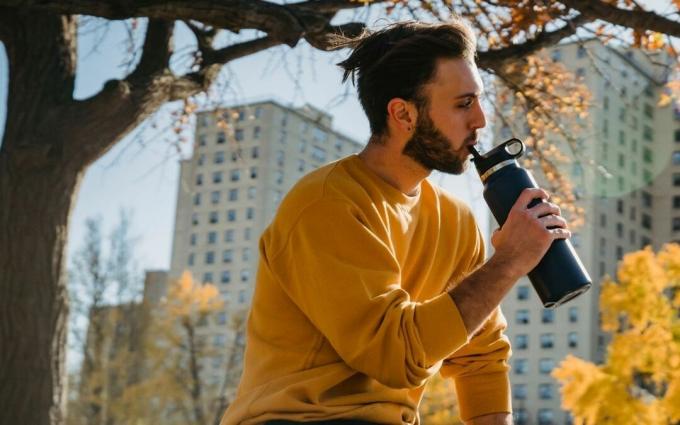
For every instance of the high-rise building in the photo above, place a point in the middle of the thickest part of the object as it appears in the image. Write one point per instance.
(245, 159)
(630, 194)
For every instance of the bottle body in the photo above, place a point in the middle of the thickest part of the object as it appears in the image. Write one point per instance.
(560, 275)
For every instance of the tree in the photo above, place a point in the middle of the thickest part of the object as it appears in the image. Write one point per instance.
(51, 138)
(105, 320)
(174, 388)
(439, 405)
(640, 379)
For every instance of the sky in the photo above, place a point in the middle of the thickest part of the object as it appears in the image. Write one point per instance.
(142, 177)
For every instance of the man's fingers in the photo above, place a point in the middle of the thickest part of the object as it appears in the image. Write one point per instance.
(529, 195)
(549, 221)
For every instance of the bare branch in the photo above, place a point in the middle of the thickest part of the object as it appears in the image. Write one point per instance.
(495, 59)
(639, 20)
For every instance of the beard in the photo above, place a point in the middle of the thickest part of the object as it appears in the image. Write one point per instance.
(430, 148)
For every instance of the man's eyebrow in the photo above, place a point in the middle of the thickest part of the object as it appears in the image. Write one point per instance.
(471, 94)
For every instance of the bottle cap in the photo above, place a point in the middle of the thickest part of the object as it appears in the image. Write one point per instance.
(498, 157)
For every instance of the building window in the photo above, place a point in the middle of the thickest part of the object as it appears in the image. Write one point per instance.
(521, 366)
(318, 154)
(201, 159)
(572, 340)
(219, 340)
(192, 239)
(647, 133)
(280, 158)
(207, 277)
(255, 153)
(238, 134)
(235, 175)
(547, 316)
(519, 391)
(221, 138)
(619, 230)
(520, 416)
(256, 133)
(677, 136)
(646, 221)
(242, 296)
(229, 235)
(233, 194)
(190, 260)
(246, 234)
(235, 155)
(581, 52)
(676, 201)
(253, 172)
(648, 110)
(647, 155)
(522, 292)
(258, 112)
(676, 179)
(221, 318)
(225, 277)
(213, 217)
(676, 158)
(545, 417)
(521, 342)
(199, 179)
(547, 340)
(194, 219)
(676, 224)
(246, 254)
(250, 213)
(245, 275)
(227, 256)
(545, 366)
(252, 192)
(219, 157)
(197, 199)
(231, 215)
(210, 257)
(212, 238)
(556, 55)
(603, 220)
(217, 177)
(279, 176)
(573, 314)
(202, 140)
(545, 391)
(522, 317)
(301, 165)
(647, 199)
(215, 197)
(619, 253)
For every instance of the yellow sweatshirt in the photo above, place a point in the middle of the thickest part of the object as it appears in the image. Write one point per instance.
(350, 316)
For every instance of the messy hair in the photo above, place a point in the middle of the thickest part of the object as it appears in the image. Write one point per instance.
(398, 60)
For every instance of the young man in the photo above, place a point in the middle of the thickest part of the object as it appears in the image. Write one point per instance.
(371, 279)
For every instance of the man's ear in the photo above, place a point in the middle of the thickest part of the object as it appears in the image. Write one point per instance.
(402, 114)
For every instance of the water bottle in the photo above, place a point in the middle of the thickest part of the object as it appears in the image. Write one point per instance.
(560, 275)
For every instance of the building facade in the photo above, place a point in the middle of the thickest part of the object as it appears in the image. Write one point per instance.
(244, 161)
(630, 193)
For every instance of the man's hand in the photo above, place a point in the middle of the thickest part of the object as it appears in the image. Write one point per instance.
(492, 419)
(527, 233)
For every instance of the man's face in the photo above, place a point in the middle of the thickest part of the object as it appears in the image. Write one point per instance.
(448, 121)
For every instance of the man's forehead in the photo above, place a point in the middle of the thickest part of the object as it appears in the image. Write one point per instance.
(457, 75)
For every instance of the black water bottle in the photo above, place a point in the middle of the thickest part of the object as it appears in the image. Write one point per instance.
(560, 275)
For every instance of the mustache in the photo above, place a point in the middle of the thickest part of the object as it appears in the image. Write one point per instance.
(471, 138)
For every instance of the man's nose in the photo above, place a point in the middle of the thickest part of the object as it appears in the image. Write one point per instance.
(479, 120)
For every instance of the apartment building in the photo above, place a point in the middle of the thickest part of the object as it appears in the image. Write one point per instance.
(245, 159)
(631, 196)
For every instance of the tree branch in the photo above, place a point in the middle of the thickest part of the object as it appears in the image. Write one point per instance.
(639, 20)
(496, 59)
(156, 51)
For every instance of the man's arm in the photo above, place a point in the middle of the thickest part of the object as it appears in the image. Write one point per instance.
(520, 244)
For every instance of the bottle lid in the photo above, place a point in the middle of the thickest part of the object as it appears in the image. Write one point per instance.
(504, 154)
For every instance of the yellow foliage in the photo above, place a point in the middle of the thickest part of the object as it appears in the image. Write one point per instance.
(640, 380)
(439, 405)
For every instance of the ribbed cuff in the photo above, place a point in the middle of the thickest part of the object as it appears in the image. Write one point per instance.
(483, 394)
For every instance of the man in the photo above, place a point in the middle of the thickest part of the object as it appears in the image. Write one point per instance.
(371, 279)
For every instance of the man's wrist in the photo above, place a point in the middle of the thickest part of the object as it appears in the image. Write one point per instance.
(504, 266)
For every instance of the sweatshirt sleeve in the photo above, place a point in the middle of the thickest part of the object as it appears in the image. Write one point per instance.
(480, 367)
(347, 282)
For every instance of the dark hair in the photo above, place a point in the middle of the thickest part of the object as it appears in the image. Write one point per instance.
(396, 61)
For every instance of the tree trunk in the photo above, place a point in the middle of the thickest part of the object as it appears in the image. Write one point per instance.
(34, 213)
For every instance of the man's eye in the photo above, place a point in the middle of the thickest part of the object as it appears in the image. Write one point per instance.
(466, 104)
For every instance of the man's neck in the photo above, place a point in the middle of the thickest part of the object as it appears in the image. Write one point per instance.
(398, 170)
